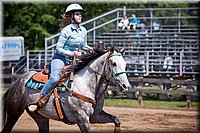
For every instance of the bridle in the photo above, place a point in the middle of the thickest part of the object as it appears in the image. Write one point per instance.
(113, 74)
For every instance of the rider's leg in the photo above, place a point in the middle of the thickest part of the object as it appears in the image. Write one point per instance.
(56, 72)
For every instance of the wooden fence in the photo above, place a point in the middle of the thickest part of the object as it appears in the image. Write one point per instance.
(188, 91)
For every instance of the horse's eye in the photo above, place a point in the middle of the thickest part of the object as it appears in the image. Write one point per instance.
(114, 64)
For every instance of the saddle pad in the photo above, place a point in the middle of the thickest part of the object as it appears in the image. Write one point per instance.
(38, 85)
(41, 77)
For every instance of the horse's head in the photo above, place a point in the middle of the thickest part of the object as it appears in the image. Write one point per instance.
(115, 71)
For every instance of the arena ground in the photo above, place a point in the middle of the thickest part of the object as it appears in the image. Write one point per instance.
(132, 120)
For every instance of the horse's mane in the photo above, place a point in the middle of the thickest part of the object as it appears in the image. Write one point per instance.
(86, 58)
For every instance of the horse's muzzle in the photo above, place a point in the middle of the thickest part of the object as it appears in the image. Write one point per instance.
(123, 87)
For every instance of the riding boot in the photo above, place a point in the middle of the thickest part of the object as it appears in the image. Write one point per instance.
(35, 106)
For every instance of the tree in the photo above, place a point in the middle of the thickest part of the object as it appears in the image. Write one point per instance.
(32, 21)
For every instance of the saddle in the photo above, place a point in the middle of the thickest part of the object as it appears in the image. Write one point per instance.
(43, 76)
(39, 79)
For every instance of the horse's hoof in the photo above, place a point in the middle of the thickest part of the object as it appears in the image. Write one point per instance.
(117, 130)
(33, 108)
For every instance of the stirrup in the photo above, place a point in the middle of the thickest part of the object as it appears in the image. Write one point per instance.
(35, 106)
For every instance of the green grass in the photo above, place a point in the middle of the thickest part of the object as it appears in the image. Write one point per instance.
(147, 103)
(150, 103)
(3, 90)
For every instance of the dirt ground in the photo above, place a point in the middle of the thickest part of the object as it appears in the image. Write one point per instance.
(132, 120)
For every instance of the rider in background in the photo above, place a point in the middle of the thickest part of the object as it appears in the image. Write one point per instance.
(101, 45)
(72, 37)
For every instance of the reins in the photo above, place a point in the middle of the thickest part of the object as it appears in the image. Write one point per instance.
(90, 100)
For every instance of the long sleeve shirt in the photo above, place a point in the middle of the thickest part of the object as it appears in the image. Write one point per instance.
(70, 40)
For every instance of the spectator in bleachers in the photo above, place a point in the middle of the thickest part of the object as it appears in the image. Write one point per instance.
(168, 62)
(133, 22)
(156, 26)
(124, 23)
(142, 25)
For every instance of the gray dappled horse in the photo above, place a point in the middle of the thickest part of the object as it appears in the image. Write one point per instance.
(89, 81)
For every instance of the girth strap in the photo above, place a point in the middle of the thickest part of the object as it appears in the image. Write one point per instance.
(84, 98)
(57, 103)
(59, 108)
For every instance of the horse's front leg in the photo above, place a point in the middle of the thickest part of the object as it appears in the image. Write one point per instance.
(82, 120)
(84, 125)
(104, 117)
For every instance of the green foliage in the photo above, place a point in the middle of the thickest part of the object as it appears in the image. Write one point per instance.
(32, 21)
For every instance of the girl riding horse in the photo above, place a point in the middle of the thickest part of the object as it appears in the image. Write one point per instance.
(72, 37)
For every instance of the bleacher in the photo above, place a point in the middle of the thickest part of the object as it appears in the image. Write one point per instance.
(171, 48)
(148, 50)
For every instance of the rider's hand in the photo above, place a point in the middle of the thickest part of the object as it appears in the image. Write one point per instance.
(91, 50)
(77, 54)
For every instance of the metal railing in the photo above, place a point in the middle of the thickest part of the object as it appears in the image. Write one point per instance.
(162, 62)
(109, 21)
(20, 67)
(50, 42)
(98, 24)
(143, 63)
(35, 60)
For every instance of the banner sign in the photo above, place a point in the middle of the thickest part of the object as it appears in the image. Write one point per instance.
(11, 48)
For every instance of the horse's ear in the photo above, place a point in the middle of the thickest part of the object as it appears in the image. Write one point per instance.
(112, 49)
(122, 50)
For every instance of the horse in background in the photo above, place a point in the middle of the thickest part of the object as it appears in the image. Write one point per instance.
(99, 69)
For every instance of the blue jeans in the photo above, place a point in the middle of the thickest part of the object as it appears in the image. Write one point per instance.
(56, 72)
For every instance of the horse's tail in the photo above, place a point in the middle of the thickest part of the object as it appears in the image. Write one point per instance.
(13, 105)
(4, 107)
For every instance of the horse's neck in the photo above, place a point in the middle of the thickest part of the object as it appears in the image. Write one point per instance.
(90, 77)
(99, 64)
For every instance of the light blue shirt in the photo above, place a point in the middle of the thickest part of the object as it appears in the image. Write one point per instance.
(71, 39)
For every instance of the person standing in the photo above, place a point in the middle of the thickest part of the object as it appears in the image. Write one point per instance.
(72, 37)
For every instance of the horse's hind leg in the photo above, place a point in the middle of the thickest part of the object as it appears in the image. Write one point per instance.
(42, 122)
(10, 121)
